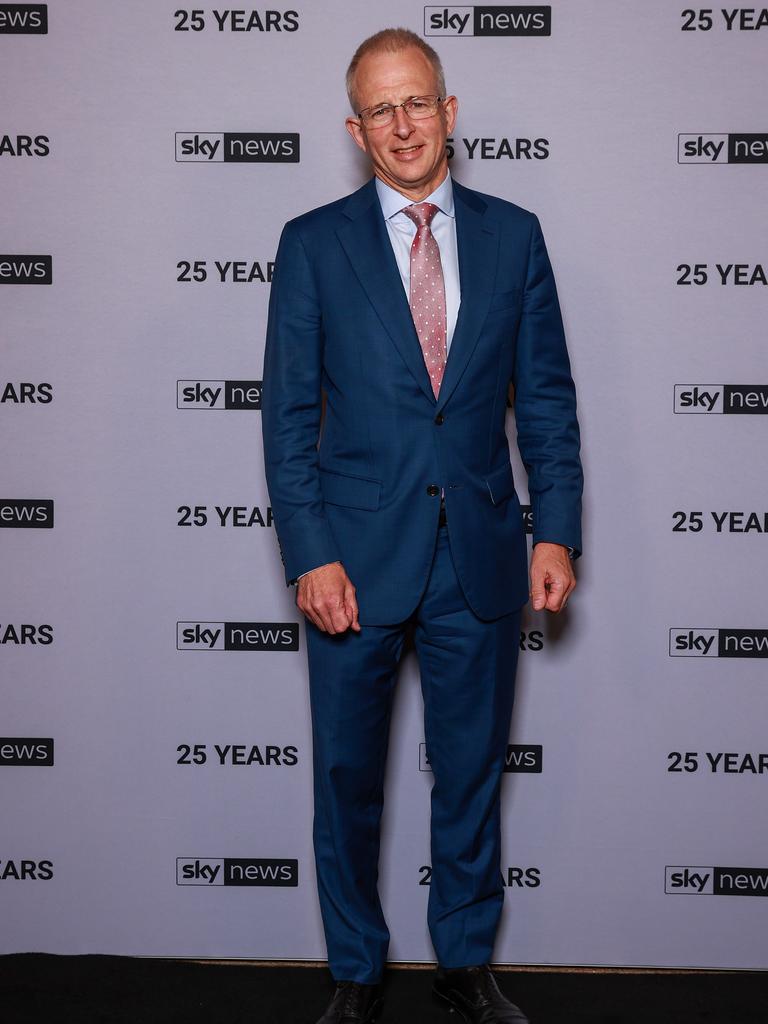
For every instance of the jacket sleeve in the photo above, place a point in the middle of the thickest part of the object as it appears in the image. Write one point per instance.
(545, 407)
(291, 410)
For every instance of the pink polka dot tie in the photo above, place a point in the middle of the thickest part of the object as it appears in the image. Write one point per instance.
(427, 298)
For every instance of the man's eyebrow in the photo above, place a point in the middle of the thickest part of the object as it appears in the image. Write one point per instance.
(389, 103)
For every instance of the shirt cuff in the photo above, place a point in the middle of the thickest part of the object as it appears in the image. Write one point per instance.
(293, 583)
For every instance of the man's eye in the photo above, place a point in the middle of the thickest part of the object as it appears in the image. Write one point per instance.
(418, 104)
(379, 112)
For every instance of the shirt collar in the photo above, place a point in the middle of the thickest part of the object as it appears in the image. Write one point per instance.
(392, 201)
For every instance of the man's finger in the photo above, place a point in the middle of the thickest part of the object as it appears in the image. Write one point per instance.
(559, 592)
(340, 619)
(325, 615)
(538, 591)
(555, 593)
(313, 617)
(555, 588)
(350, 603)
(319, 612)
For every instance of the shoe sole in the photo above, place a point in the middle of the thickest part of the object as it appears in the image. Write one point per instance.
(447, 1003)
(373, 1014)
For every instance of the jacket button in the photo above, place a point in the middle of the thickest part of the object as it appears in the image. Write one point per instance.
(433, 490)
(439, 419)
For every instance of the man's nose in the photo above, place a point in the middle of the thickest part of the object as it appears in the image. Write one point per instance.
(401, 126)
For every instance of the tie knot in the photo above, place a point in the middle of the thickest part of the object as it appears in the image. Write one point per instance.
(421, 213)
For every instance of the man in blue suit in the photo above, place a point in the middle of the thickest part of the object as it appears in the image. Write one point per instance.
(401, 317)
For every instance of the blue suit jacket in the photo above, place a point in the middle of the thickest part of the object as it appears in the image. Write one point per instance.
(368, 493)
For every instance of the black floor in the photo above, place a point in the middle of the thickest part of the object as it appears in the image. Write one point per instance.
(123, 990)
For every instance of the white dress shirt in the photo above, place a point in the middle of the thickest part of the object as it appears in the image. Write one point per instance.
(402, 231)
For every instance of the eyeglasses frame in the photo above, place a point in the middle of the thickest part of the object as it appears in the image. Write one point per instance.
(394, 106)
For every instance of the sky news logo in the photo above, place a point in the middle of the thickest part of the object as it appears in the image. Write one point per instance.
(698, 881)
(721, 399)
(236, 871)
(26, 513)
(488, 21)
(237, 147)
(739, 148)
(237, 636)
(18, 751)
(218, 394)
(15, 269)
(521, 758)
(692, 642)
(27, 19)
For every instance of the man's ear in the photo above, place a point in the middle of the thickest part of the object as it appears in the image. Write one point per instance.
(451, 108)
(355, 129)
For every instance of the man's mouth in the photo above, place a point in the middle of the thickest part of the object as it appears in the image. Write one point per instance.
(408, 150)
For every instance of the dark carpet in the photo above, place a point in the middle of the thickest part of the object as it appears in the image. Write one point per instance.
(125, 990)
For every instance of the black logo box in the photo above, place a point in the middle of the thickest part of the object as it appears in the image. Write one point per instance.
(27, 19)
(239, 866)
(232, 643)
(520, 766)
(725, 649)
(232, 157)
(25, 260)
(13, 758)
(232, 390)
(17, 522)
(747, 138)
(515, 760)
(733, 391)
(725, 882)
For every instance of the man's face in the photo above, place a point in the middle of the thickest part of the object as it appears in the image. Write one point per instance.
(407, 155)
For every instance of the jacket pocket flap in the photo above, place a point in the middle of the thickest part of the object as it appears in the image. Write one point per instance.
(501, 484)
(350, 491)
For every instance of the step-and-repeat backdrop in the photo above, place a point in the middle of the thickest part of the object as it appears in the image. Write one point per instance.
(155, 757)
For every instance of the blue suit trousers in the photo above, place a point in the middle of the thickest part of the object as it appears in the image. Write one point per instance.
(467, 668)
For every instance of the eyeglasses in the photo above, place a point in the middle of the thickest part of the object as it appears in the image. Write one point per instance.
(417, 108)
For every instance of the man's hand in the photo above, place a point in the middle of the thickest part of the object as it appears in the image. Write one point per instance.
(552, 577)
(327, 597)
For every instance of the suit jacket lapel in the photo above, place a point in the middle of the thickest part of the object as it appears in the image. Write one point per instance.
(477, 243)
(366, 242)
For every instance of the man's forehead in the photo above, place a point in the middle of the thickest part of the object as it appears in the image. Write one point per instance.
(407, 70)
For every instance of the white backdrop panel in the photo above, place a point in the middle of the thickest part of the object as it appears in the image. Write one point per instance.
(174, 764)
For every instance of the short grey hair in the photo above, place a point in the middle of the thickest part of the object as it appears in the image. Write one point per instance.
(392, 40)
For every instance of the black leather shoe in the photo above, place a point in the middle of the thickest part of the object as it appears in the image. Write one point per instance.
(353, 1003)
(472, 992)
